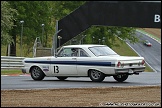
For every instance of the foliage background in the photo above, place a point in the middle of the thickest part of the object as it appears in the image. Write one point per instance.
(36, 13)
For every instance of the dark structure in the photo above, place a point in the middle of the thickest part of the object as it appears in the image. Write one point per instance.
(143, 14)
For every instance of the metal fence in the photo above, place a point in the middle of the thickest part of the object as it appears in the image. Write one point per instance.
(9, 62)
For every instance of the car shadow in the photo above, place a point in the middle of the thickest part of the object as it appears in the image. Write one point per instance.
(85, 80)
(79, 81)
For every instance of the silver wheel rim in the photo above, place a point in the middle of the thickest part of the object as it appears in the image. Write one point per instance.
(120, 76)
(36, 72)
(95, 74)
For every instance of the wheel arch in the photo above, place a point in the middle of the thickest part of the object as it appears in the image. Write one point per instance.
(36, 66)
(93, 69)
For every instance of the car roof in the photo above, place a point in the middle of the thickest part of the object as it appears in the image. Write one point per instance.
(82, 45)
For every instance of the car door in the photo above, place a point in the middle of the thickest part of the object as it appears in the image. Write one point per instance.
(83, 61)
(64, 64)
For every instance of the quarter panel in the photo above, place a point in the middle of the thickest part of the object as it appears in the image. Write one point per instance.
(102, 64)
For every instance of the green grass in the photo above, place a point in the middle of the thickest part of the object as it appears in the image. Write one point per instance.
(10, 71)
(124, 49)
(151, 35)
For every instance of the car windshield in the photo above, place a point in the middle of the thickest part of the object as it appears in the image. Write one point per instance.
(102, 51)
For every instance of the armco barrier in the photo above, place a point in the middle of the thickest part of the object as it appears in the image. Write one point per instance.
(10, 62)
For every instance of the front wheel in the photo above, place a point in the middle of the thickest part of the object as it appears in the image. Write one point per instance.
(62, 78)
(96, 76)
(120, 77)
(37, 74)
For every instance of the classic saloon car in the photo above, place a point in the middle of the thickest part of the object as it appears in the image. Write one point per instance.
(147, 43)
(94, 61)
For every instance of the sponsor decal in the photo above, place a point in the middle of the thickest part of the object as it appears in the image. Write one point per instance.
(45, 68)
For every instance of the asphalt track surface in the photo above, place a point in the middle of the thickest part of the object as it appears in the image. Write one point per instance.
(26, 82)
(152, 56)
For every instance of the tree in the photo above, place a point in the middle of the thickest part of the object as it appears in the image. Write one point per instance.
(34, 14)
(108, 35)
(7, 18)
(63, 8)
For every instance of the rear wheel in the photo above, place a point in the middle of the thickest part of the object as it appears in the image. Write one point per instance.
(62, 78)
(120, 77)
(37, 74)
(96, 76)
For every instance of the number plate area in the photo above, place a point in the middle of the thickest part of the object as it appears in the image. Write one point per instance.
(130, 71)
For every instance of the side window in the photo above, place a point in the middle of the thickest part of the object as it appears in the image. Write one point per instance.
(83, 53)
(60, 54)
(66, 52)
(74, 52)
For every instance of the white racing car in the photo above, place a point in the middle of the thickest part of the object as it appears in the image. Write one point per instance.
(94, 61)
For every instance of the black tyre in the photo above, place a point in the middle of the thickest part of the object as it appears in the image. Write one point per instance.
(96, 76)
(62, 78)
(37, 74)
(121, 77)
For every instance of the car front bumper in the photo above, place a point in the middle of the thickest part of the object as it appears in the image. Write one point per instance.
(23, 70)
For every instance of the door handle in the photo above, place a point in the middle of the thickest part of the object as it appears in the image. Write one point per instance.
(74, 58)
